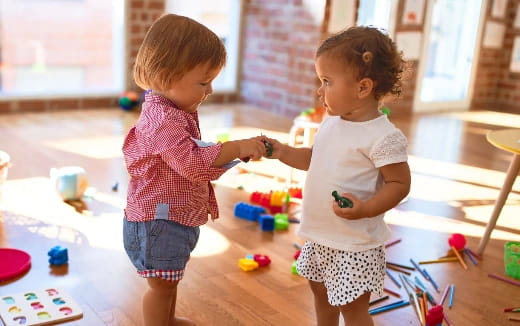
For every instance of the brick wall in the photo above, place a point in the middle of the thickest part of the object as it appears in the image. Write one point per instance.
(279, 41)
(277, 70)
(496, 87)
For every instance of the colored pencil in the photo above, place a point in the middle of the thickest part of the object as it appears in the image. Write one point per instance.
(444, 294)
(391, 306)
(401, 266)
(393, 278)
(452, 292)
(423, 307)
(392, 292)
(440, 260)
(431, 280)
(474, 253)
(391, 243)
(373, 302)
(513, 319)
(418, 268)
(504, 279)
(297, 245)
(411, 295)
(470, 256)
(459, 257)
(514, 309)
(392, 267)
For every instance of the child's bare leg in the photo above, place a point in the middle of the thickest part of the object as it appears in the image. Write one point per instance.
(326, 314)
(356, 312)
(159, 304)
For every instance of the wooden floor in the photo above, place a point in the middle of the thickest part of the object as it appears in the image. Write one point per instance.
(456, 178)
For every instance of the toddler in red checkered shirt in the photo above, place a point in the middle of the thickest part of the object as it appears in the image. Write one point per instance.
(170, 167)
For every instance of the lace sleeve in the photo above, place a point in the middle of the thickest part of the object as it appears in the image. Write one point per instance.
(390, 149)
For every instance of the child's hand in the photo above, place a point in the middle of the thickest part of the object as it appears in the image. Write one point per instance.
(276, 148)
(252, 148)
(357, 210)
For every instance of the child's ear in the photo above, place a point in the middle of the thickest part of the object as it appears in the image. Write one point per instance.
(365, 87)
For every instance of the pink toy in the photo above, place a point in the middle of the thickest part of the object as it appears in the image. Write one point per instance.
(262, 260)
(457, 240)
(434, 316)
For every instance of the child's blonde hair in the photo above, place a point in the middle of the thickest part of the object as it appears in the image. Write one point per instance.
(371, 54)
(173, 46)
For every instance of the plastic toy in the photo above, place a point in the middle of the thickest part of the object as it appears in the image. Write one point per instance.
(342, 201)
(58, 255)
(268, 148)
(457, 242)
(281, 221)
(294, 270)
(434, 316)
(45, 307)
(71, 181)
(272, 201)
(247, 265)
(15, 262)
(295, 192)
(266, 222)
(128, 100)
(262, 260)
(248, 212)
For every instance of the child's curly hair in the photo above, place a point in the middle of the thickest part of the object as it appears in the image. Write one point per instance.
(371, 53)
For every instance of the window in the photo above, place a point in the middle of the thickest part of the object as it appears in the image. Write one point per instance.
(378, 13)
(56, 47)
(223, 18)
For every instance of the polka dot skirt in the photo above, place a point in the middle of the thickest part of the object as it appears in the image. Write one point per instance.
(346, 275)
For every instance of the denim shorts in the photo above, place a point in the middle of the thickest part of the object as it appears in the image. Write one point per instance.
(159, 248)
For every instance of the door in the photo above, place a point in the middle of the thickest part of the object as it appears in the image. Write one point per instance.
(448, 64)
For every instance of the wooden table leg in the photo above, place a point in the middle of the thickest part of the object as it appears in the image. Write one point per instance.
(512, 172)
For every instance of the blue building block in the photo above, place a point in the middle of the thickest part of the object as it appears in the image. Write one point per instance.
(248, 212)
(266, 222)
(58, 255)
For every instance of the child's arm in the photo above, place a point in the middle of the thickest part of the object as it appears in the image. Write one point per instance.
(252, 148)
(396, 186)
(299, 158)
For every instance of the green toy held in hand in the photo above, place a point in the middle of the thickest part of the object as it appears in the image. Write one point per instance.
(342, 201)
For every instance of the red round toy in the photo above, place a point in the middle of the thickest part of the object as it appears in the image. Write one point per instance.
(14, 263)
(457, 240)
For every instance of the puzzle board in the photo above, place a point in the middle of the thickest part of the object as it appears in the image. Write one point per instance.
(43, 307)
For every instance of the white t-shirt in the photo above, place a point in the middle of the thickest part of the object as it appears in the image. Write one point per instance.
(345, 157)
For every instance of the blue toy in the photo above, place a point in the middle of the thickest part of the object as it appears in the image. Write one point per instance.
(58, 255)
(266, 222)
(128, 100)
(248, 212)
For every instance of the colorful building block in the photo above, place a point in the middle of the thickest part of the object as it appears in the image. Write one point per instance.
(293, 268)
(248, 212)
(266, 222)
(262, 260)
(281, 221)
(58, 255)
(247, 264)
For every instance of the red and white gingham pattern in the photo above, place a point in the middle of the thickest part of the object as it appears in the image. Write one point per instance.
(168, 275)
(166, 166)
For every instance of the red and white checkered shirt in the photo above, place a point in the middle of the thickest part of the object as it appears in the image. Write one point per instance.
(170, 172)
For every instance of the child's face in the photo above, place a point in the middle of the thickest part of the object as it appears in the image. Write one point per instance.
(193, 88)
(339, 90)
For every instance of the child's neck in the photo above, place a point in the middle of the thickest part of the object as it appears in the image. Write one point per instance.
(368, 110)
